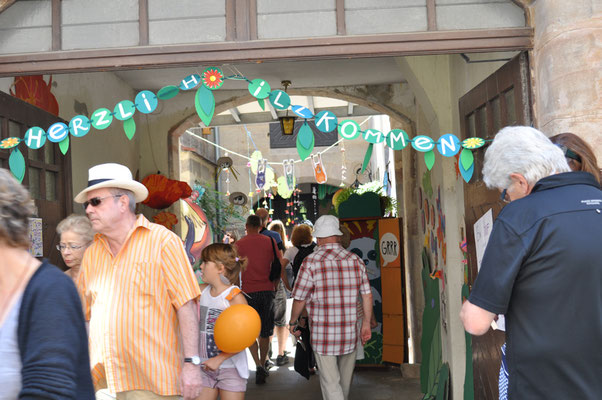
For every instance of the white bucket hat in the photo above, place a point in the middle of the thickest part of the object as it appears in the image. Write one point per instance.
(327, 225)
(112, 175)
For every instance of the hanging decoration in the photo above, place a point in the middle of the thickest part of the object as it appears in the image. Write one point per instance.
(260, 178)
(238, 199)
(289, 173)
(211, 79)
(163, 192)
(319, 171)
(343, 165)
(166, 219)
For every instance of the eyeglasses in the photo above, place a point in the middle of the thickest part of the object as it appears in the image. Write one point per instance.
(504, 197)
(72, 247)
(95, 201)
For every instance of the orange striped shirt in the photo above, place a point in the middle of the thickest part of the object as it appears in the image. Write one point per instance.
(131, 301)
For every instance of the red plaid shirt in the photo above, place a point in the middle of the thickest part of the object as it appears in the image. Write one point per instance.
(330, 280)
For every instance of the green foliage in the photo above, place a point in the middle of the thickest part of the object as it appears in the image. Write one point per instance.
(220, 212)
(388, 203)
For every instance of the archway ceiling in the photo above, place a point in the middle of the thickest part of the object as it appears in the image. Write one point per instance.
(302, 74)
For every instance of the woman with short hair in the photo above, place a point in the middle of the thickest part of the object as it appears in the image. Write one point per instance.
(43, 341)
(76, 235)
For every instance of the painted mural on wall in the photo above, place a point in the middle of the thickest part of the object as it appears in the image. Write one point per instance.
(434, 373)
(364, 243)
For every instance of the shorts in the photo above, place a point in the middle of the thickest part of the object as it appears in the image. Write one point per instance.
(280, 306)
(224, 379)
(263, 303)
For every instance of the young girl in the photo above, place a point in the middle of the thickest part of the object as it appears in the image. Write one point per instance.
(223, 374)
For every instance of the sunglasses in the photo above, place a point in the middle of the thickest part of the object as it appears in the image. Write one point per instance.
(95, 201)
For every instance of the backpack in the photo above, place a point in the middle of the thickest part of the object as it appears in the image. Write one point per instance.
(303, 252)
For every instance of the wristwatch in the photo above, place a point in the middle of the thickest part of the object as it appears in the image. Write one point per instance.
(194, 360)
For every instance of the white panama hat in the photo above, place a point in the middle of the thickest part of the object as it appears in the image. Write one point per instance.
(112, 175)
(326, 226)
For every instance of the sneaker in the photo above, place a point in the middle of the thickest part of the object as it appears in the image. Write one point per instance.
(268, 365)
(282, 360)
(260, 375)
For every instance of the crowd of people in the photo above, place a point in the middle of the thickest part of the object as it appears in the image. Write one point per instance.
(129, 315)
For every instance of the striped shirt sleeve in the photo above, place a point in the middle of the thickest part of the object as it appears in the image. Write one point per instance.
(179, 278)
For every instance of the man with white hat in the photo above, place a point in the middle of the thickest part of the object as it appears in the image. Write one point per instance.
(138, 292)
(328, 284)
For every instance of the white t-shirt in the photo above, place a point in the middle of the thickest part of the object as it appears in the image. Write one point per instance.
(10, 367)
(210, 308)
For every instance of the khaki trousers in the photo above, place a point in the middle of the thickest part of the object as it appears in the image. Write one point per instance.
(336, 373)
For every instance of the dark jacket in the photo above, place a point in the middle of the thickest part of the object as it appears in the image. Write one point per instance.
(52, 339)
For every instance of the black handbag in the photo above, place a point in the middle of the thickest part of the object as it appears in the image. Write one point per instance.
(276, 267)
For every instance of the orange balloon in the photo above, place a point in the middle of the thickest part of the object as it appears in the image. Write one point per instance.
(236, 328)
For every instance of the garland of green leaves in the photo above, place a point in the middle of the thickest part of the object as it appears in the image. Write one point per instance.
(213, 78)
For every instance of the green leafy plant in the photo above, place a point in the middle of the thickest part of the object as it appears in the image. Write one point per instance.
(388, 204)
(220, 212)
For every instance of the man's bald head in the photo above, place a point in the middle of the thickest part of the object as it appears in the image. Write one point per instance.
(263, 214)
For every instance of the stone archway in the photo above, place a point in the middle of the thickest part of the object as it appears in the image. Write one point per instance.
(398, 101)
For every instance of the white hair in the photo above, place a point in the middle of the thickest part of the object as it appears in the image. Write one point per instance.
(521, 150)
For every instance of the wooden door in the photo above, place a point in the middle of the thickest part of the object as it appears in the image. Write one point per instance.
(48, 171)
(501, 100)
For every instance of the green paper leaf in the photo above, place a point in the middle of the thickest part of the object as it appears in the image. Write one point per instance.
(305, 135)
(367, 157)
(64, 145)
(204, 102)
(129, 127)
(466, 158)
(167, 92)
(305, 152)
(429, 159)
(16, 163)
(261, 103)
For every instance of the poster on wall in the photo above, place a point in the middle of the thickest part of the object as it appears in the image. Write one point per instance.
(36, 247)
(482, 230)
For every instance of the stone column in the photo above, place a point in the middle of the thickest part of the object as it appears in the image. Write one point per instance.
(567, 64)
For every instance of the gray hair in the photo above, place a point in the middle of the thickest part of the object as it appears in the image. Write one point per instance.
(129, 194)
(521, 150)
(78, 224)
(16, 207)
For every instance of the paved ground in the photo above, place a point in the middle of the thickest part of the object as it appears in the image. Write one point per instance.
(285, 384)
(368, 384)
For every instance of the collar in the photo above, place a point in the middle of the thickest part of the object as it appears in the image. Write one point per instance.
(330, 246)
(141, 222)
(565, 179)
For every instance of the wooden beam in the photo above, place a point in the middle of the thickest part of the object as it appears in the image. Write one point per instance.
(56, 25)
(235, 114)
(340, 13)
(252, 16)
(230, 20)
(4, 4)
(143, 22)
(400, 44)
(431, 15)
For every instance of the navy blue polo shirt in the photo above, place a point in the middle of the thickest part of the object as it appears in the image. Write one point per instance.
(274, 235)
(542, 268)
